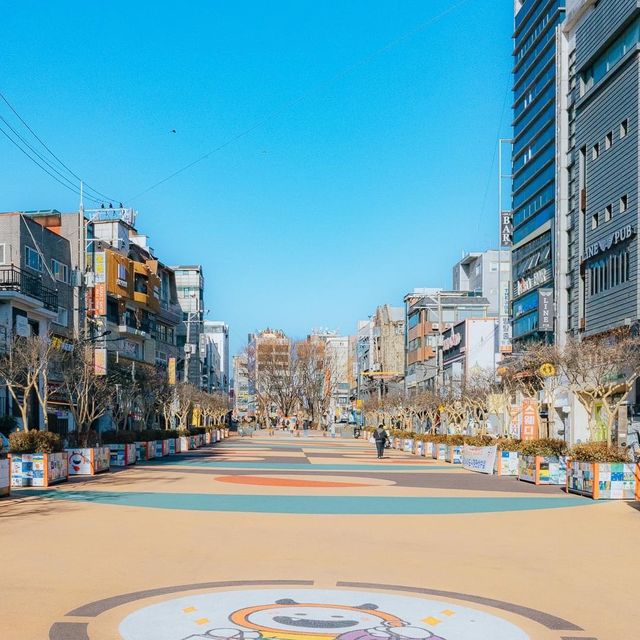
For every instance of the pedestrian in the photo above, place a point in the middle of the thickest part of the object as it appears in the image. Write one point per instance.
(305, 427)
(380, 436)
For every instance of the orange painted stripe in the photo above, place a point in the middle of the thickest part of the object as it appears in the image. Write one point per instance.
(285, 482)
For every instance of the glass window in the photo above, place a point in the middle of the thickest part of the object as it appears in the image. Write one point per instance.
(33, 260)
(624, 128)
(60, 271)
(623, 204)
(414, 320)
(63, 317)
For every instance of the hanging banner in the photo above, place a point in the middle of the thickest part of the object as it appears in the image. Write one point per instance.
(171, 371)
(545, 310)
(100, 362)
(480, 459)
(505, 318)
(530, 419)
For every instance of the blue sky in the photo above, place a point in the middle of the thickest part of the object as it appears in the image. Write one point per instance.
(371, 184)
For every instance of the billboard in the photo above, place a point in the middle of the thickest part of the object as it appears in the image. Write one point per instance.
(545, 310)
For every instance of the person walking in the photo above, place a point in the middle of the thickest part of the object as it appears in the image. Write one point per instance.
(380, 436)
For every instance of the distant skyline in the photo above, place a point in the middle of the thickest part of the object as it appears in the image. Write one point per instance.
(365, 158)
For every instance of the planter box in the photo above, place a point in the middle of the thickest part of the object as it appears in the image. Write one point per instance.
(185, 443)
(38, 469)
(418, 448)
(507, 463)
(5, 477)
(219, 435)
(454, 454)
(408, 445)
(88, 461)
(162, 448)
(146, 450)
(397, 443)
(543, 469)
(438, 451)
(174, 446)
(122, 455)
(208, 438)
(604, 481)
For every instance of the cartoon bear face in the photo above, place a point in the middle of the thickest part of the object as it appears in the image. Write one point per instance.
(288, 616)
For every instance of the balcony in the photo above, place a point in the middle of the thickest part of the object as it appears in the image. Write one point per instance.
(15, 279)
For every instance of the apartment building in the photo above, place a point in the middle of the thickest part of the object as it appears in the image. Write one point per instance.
(217, 332)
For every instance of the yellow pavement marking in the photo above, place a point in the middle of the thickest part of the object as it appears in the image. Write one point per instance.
(189, 609)
(202, 620)
(448, 612)
(431, 620)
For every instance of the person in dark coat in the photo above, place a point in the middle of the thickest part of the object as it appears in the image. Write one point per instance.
(381, 437)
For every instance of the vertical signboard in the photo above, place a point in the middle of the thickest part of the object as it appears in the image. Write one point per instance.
(100, 299)
(545, 310)
(505, 317)
(171, 371)
(100, 258)
(530, 419)
(506, 229)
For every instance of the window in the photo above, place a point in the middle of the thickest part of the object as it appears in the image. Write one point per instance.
(3, 254)
(33, 259)
(493, 266)
(595, 151)
(623, 204)
(624, 128)
(607, 213)
(609, 272)
(63, 317)
(60, 271)
(608, 140)
(594, 221)
(122, 273)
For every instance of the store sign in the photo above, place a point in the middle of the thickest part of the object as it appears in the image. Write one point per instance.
(100, 299)
(100, 261)
(451, 342)
(506, 229)
(545, 310)
(610, 241)
(525, 284)
(100, 362)
(171, 371)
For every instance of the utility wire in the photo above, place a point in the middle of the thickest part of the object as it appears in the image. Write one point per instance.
(277, 113)
(37, 137)
(62, 176)
(64, 184)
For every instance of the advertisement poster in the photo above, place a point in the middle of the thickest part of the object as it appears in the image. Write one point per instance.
(480, 459)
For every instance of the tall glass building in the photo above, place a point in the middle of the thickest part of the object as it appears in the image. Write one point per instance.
(533, 158)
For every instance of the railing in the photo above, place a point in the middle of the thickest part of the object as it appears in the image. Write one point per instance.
(15, 279)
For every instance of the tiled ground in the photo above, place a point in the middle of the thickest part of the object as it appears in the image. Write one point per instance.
(313, 539)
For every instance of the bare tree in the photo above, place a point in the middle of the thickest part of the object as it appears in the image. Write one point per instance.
(426, 406)
(185, 400)
(21, 370)
(90, 396)
(277, 381)
(601, 372)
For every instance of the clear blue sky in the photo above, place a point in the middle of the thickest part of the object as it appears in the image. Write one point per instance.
(371, 185)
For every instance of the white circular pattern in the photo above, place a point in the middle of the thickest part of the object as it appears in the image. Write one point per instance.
(312, 614)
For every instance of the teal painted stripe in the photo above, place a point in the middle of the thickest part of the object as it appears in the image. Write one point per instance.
(322, 505)
(295, 466)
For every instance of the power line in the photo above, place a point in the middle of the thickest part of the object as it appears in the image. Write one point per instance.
(62, 176)
(275, 114)
(37, 137)
(64, 184)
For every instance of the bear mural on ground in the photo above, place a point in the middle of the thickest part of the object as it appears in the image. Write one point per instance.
(287, 619)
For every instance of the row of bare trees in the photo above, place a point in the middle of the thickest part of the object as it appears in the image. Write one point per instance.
(599, 372)
(52, 371)
(301, 379)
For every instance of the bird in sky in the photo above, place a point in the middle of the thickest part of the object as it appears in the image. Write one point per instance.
(173, 131)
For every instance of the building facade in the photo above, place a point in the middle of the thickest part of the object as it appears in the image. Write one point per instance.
(534, 160)
(217, 332)
(190, 287)
(240, 386)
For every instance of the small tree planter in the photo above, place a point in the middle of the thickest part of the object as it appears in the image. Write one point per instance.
(454, 454)
(38, 469)
(185, 443)
(439, 451)
(428, 449)
(174, 446)
(604, 480)
(207, 437)
(219, 435)
(5, 477)
(122, 455)
(408, 445)
(506, 463)
(543, 469)
(87, 461)
(418, 448)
